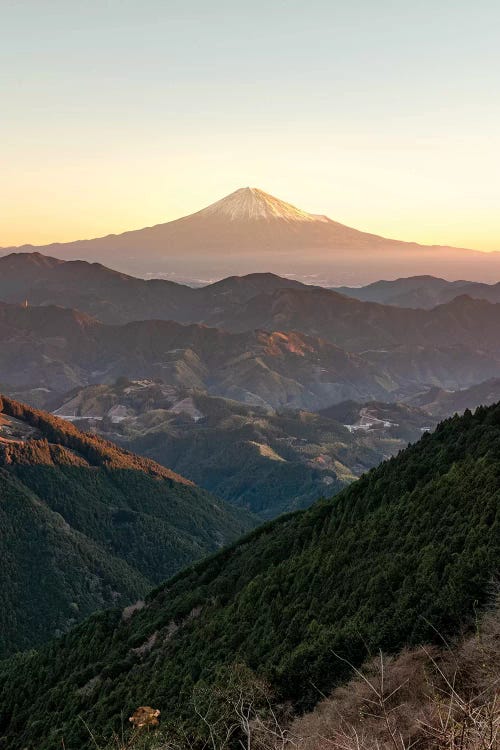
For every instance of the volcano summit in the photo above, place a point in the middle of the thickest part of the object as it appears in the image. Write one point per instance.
(250, 230)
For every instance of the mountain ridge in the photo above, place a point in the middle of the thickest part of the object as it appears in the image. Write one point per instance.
(257, 366)
(236, 303)
(354, 350)
(421, 291)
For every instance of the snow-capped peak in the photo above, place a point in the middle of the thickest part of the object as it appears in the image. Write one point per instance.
(251, 203)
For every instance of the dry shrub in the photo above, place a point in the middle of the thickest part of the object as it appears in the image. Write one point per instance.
(427, 698)
(386, 698)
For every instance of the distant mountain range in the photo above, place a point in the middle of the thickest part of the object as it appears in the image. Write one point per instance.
(87, 525)
(250, 230)
(421, 291)
(114, 297)
(389, 354)
(271, 341)
(57, 349)
(440, 403)
(245, 303)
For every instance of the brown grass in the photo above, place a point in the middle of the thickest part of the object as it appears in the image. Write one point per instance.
(428, 698)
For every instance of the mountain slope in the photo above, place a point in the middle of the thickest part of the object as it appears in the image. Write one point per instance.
(79, 576)
(86, 525)
(409, 548)
(249, 230)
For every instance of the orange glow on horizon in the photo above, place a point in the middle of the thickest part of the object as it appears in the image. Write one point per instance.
(34, 225)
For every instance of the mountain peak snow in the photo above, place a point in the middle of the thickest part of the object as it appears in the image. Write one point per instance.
(249, 204)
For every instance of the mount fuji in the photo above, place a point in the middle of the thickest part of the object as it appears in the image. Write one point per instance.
(250, 230)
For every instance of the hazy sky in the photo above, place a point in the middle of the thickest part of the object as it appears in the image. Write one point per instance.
(117, 114)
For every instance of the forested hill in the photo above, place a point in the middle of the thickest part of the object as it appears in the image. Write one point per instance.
(406, 552)
(85, 525)
(48, 431)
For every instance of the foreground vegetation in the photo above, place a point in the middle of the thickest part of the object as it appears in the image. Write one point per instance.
(429, 697)
(441, 696)
(407, 551)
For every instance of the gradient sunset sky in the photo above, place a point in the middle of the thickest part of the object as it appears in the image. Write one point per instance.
(118, 114)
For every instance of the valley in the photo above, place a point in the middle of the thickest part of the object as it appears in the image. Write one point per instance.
(266, 460)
